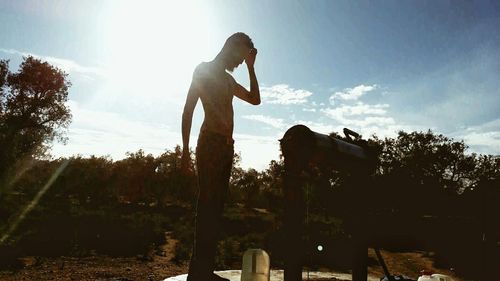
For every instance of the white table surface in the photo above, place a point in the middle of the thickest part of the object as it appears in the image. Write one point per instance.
(277, 275)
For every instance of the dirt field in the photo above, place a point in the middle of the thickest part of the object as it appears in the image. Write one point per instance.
(408, 264)
(155, 267)
(159, 266)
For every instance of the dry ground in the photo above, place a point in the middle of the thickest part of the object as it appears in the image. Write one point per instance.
(409, 264)
(154, 267)
(159, 267)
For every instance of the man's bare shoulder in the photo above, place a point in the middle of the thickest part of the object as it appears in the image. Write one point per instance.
(201, 70)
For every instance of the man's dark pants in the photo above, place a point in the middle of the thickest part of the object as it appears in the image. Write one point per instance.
(214, 156)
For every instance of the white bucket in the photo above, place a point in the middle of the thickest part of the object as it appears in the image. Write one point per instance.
(255, 266)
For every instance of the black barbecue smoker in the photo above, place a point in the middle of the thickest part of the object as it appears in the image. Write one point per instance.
(304, 149)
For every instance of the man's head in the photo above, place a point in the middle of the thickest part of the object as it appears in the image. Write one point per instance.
(236, 49)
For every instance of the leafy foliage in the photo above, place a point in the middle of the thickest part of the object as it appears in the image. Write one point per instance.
(32, 110)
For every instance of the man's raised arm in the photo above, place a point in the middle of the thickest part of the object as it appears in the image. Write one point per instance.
(253, 96)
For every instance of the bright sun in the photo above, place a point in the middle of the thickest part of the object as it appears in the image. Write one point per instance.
(150, 43)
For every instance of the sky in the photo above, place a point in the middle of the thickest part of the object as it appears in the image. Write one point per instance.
(374, 67)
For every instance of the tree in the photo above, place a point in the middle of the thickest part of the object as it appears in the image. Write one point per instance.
(134, 176)
(33, 109)
(429, 159)
(171, 183)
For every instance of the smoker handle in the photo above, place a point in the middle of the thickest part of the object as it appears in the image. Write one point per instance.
(348, 133)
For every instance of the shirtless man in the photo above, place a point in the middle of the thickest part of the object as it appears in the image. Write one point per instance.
(215, 87)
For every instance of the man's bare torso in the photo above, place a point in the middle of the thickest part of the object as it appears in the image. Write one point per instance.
(216, 88)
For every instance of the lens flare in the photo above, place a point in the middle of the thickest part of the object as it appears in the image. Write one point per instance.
(35, 201)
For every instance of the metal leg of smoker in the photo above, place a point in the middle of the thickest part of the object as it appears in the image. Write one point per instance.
(360, 260)
(293, 228)
(296, 153)
(358, 227)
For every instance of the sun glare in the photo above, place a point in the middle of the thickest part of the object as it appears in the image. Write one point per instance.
(151, 43)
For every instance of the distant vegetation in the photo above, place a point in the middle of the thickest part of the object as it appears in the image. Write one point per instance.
(124, 208)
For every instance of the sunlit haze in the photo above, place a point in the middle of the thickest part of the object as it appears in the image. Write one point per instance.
(375, 69)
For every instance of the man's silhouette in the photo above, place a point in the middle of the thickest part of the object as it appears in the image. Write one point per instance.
(215, 87)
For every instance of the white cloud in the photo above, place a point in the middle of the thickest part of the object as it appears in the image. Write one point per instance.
(484, 138)
(362, 122)
(360, 115)
(352, 93)
(486, 143)
(94, 132)
(274, 122)
(284, 94)
(64, 64)
(366, 119)
(257, 151)
(309, 109)
(357, 109)
(365, 128)
(386, 130)
(320, 127)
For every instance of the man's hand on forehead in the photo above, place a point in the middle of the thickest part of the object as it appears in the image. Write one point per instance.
(250, 57)
(252, 52)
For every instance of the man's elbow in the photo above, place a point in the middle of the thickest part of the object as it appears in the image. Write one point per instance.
(255, 99)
